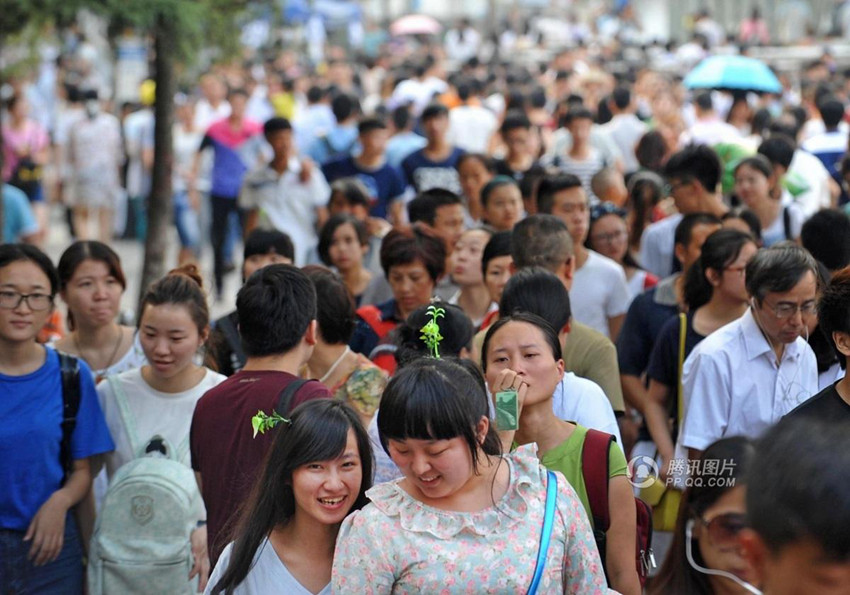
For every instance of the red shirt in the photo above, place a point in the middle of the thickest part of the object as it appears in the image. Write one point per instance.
(224, 450)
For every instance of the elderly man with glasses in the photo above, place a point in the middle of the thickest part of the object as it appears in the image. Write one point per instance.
(744, 377)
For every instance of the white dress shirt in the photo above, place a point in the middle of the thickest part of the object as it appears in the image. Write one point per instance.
(733, 387)
(286, 203)
(658, 246)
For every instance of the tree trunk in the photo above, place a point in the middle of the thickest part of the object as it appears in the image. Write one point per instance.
(159, 206)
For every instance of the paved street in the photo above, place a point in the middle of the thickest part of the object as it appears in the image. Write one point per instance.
(132, 258)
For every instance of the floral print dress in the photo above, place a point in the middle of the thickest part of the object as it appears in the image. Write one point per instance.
(363, 387)
(397, 544)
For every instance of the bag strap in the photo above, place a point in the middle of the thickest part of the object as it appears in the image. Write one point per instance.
(284, 399)
(125, 414)
(786, 223)
(594, 469)
(546, 534)
(69, 367)
(231, 333)
(683, 334)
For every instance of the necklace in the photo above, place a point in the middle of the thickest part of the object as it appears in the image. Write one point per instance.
(333, 367)
(114, 350)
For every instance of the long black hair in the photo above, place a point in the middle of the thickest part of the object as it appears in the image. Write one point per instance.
(318, 431)
(676, 576)
(720, 250)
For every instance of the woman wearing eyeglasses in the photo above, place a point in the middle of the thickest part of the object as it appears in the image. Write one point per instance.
(609, 236)
(39, 539)
(705, 556)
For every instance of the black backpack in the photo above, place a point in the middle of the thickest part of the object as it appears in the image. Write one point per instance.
(69, 367)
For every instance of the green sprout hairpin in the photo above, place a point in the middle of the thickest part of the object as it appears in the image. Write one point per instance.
(262, 421)
(431, 330)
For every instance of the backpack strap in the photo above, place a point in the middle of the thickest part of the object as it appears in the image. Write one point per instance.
(786, 223)
(371, 315)
(231, 333)
(680, 402)
(594, 469)
(125, 414)
(69, 367)
(284, 399)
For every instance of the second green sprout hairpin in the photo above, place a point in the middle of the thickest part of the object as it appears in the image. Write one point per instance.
(431, 330)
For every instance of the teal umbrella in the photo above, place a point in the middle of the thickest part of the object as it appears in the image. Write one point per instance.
(735, 73)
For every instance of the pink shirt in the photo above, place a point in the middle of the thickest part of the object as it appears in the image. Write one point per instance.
(31, 137)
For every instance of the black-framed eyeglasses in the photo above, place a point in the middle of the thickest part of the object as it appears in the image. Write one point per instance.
(11, 300)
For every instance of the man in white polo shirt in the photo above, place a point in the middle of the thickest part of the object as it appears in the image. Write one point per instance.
(745, 376)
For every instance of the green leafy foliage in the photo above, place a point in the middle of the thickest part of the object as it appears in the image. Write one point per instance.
(263, 422)
(431, 330)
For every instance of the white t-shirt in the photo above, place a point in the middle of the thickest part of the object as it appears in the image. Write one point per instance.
(286, 204)
(658, 245)
(153, 412)
(206, 114)
(470, 128)
(599, 292)
(268, 574)
(816, 176)
(584, 402)
(775, 232)
(637, 284)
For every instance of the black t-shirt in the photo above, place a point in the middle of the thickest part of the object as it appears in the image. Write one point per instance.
(826, 406)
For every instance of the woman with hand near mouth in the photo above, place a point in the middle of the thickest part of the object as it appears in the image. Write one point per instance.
(523, 350)
(464, 517)
(91, 283)
(317, 472)
(465, 266)
(161, 395)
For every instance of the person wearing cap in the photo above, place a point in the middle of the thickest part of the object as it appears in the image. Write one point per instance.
(385, 183)
(434, 166)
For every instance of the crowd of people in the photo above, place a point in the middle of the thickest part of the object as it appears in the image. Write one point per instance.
(495, 326)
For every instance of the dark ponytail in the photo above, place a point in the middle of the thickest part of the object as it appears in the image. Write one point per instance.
(718, 252)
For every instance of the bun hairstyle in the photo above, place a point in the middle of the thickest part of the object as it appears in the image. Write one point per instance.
(181, 286)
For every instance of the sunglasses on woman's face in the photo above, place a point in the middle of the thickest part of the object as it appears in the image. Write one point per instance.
(723, 530)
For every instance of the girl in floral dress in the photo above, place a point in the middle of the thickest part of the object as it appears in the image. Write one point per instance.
(465, 518)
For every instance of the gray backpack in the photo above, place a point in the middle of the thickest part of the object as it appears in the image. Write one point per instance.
(141, 541)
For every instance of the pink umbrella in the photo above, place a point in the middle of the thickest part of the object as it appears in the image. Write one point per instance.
(416, 24)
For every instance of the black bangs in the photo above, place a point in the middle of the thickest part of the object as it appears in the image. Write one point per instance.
(316, 434)
(431, 400)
